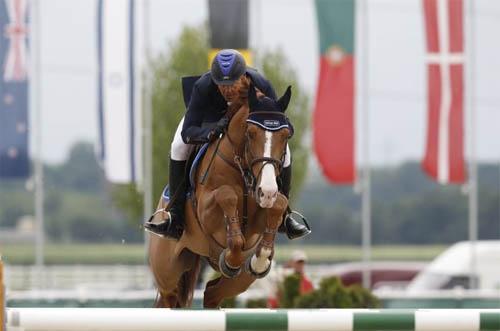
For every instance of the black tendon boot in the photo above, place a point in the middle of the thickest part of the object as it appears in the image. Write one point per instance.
(173, 225)
(290, 226)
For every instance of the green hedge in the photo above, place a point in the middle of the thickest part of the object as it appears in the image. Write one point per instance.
(331, 294)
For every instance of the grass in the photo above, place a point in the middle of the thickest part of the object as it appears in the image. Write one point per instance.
(76, 254)
(135, 253)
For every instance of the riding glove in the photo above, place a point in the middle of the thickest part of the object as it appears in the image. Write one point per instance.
(219, 128)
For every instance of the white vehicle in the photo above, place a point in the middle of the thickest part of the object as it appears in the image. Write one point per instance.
(452, 268)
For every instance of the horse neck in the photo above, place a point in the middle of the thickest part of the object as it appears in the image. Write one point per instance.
(237, 128)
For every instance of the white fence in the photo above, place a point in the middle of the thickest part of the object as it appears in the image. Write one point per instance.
(19, 278)
(102, 319)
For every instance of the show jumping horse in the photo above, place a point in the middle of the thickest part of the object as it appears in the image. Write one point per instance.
(234, 211)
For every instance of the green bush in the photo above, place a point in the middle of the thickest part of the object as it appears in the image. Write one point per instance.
(228, 303)
(289, 291)
(331, 294)
(362, 297)
(256, 303)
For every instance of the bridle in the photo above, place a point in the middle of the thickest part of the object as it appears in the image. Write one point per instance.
(246, 162)
(252, 161)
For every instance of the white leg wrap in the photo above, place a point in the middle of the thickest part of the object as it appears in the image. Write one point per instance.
(179, 151)
(261, 263)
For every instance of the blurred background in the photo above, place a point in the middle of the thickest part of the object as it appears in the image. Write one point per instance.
(396, 153)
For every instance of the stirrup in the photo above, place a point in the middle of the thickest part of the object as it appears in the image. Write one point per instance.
(293, 228)
(304, 220)
(164, 229)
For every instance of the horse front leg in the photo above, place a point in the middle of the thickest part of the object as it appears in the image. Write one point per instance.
(231, 258)
(259, 264)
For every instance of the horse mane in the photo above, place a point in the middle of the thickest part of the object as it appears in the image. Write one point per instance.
(235, 106)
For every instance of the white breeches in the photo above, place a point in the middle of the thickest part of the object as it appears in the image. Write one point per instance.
(179, 151)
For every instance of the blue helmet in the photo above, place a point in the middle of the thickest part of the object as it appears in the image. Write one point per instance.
(227, 67)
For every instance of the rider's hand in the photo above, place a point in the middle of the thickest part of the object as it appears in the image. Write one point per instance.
(219, 128)
(222, 124)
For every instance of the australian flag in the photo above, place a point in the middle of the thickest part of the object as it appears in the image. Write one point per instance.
(14, 160)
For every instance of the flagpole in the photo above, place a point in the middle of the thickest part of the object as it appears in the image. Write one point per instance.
(258, 28)
(366, 186)
(473, 209)
(36, 105)
(148, 121)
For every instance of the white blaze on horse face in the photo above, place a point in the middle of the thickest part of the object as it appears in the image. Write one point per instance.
(268, 186)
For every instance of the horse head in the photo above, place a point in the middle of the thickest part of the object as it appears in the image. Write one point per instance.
(267, 134)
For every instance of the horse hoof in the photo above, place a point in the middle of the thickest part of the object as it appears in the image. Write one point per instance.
(226, 270)
(248, 269)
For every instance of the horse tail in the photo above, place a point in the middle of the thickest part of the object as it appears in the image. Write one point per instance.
(187, 283)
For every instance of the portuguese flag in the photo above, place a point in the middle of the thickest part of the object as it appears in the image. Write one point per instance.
(334, 117)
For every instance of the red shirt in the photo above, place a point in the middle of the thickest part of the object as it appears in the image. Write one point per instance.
(306, 285)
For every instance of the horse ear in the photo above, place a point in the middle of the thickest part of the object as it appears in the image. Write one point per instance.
(252, 97)
(285, 99)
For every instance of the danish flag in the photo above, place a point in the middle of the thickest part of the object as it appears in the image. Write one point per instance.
(444, 156)
(16, 30)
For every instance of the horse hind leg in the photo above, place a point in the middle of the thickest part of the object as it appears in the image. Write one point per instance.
(175, 275)
(166, 300)
(220, 288)
(187, 283)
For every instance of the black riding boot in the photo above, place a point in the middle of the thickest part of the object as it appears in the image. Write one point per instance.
(173, 226)
(291, 227)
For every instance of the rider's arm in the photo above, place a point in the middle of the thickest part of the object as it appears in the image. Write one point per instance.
(269, 90)
(263, 85)
(192, 131)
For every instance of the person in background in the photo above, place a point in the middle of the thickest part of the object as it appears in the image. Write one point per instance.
(296, 265)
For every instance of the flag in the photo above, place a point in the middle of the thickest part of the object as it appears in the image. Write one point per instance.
(229, 27)
(334, 116)
(444, 155)
(14, 161)
(119, 118)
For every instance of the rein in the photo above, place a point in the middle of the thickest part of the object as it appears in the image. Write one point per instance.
(241, 164)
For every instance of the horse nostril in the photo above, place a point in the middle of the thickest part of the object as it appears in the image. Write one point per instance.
(275, 194)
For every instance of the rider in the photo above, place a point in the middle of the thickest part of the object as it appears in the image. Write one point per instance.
(204, 120)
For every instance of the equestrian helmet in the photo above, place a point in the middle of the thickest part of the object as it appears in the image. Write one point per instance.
(227, 67)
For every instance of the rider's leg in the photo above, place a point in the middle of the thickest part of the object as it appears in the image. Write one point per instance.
(292, 228)
(173, 226)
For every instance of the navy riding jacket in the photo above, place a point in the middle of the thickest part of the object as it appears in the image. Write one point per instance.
(207, 106)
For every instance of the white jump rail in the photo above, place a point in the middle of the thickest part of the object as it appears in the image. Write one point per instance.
(142, 319)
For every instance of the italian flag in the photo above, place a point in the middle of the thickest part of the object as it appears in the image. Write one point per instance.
(334, 117)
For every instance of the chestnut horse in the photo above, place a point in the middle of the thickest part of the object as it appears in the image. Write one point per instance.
(233, 214)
